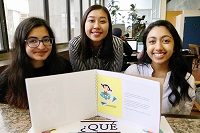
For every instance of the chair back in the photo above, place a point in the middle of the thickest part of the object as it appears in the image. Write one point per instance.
(194, 48)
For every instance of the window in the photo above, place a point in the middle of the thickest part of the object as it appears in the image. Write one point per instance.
(14, 14)
(85, 6)
(64, 16)
(3, 37)
(75, 17)
(156, 9)
(58, 19)
(92, 2)
(36, 8)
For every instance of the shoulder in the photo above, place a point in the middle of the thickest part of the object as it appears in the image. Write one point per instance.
(74, 44)
(75, 40)
(117, 41)
(63, 60)
(139, 69)
(132, 70)
(117, 44)
(66, 63)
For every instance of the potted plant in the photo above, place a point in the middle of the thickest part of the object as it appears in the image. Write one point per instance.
(137, 28)
(113, 8)
(133, 13)
(132, 17)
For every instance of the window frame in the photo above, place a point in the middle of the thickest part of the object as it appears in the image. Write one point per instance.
(3, 29)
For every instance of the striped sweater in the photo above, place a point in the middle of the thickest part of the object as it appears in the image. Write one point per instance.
(95, 62)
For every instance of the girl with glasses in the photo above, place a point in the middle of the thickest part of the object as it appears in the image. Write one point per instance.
(34, 54)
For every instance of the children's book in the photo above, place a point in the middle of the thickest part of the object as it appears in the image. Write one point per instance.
(62, 101)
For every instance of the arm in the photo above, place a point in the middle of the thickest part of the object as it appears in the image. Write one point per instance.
(116, 65)
(132, 70)
(67, 64)
(77, 64)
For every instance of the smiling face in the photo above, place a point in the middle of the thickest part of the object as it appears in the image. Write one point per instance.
(40, 53)
(96, 26)
(160, 45)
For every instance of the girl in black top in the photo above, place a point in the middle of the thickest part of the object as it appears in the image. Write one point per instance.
(34, 54)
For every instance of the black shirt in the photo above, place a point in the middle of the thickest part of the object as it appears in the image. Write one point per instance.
(37, 72)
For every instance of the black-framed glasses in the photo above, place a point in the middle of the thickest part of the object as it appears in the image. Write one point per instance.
(34, 42)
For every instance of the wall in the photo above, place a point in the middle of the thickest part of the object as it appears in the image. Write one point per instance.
(176, 5)
(163, 9)
(171, 16)
(191, 24)
(181, 18)
(189, 8)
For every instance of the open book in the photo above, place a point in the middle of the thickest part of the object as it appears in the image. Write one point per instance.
(61, 100)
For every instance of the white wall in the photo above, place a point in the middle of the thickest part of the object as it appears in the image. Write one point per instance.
(163, 9)
(17, 5)
(140, 4)
(177, 5)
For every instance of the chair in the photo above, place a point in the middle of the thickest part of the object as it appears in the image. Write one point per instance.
(194, 48)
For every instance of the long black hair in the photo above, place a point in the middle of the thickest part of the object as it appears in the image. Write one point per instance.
(177, 64)
(21, 66)
(107, 46)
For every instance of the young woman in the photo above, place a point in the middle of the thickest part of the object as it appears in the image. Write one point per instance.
(34, 54)
(162, 58)
(96, 48)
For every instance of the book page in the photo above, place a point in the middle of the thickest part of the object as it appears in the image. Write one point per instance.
(109, 95)
(61, 99)
(140, 99)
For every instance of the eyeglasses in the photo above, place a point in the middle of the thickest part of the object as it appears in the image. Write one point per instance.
(34, 42)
